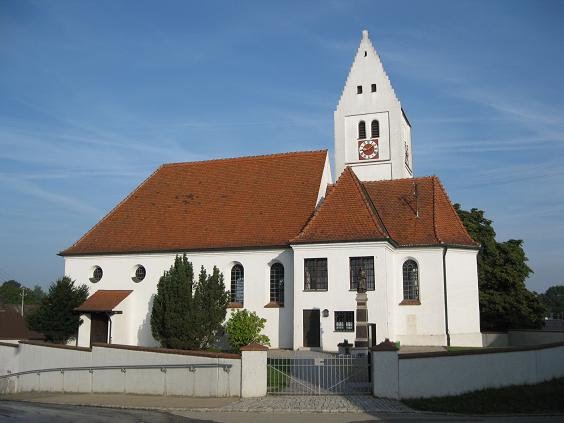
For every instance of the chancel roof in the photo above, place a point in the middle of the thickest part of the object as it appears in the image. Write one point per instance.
(406, 212)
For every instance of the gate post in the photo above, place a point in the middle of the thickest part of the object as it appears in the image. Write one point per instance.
(253, 370)
(385, 370)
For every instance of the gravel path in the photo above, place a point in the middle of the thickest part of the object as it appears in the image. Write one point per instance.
(324, 404)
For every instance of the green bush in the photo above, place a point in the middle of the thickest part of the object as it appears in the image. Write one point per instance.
(245, 328)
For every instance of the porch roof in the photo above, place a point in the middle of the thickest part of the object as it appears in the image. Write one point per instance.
(103, 300)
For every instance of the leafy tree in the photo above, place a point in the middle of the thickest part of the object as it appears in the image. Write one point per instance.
(210, 307)
(55, 318)
(35, 295)
(244, 327)
(172, 315)
(553, 299)
(11, 293)
(505, 302)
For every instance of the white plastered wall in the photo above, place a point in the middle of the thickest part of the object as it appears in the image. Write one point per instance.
(463, 298)
(422, 324)
(133, 326)
(338, 296)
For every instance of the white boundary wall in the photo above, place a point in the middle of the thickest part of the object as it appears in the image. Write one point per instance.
(516, 338)
(440, 374)
(197, 382)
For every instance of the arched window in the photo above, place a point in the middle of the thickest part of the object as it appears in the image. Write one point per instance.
(277, 283)
(237, 284)
(410, 280)
(375, 126)
(361, 130)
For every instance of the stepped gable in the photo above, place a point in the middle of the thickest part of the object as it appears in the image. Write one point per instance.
(344, 215)
(427, 218)
(259, 201)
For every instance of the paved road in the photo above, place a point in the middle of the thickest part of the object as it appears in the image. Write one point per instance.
(17, 412)
(11, 411)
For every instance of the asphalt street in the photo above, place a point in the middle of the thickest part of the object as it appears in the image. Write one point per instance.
(15, 412)
(12, 411)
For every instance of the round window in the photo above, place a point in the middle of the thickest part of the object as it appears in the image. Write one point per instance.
(97, 274)
(140, 273)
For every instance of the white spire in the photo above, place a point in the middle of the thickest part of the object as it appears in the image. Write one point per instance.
(368, 97)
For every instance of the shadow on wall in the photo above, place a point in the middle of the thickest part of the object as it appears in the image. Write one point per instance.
(285, 315)
(144, 334)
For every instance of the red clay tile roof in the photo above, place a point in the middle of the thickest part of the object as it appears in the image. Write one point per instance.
(344, 215)
(258, 201)
(13, 325)
(103, 300)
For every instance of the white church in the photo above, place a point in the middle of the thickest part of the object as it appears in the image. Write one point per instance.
(291, 243)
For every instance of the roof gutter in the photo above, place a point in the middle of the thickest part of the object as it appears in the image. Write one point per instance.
(445, 249)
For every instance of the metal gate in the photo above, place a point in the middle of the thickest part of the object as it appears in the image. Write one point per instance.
(341, 375)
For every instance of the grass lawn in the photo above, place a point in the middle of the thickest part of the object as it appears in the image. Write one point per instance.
(276, 378)
(547, 397)
(463, 348)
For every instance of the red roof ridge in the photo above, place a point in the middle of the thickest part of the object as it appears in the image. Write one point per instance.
(346, 171)
(316, 210)
(369, 204)
(127, 197)
(435, 231)
(251, 157)
(397, 180)
(461, 225)
(114, 290)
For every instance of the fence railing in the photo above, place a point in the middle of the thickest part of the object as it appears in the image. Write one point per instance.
(555, 316)
(123, 368)
(316, 376)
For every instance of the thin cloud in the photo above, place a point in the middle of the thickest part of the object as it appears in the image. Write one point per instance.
(63, 202)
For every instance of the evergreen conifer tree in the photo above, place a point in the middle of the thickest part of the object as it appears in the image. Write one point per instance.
(55, 318)
(172, 322)
(210, 306)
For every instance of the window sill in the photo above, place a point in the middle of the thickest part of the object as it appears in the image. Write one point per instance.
(274, 305)
(315, 290)
(344, 331)
(368, 290)
(234, 305)
(410, 302)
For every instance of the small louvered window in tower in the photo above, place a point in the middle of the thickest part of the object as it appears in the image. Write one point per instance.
(375, 127)
(361, 130)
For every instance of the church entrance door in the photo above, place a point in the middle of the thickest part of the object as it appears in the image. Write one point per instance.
(312, 337)
(98, 328)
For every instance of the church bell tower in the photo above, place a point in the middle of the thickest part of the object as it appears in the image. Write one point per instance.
(372, 133)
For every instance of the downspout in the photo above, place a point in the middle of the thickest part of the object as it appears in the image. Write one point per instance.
(446, 296)
(110, 327)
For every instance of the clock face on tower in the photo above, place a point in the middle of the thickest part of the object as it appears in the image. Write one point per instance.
(368, 149)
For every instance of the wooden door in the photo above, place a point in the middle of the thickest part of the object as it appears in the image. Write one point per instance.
(99, 328)
(311, 329)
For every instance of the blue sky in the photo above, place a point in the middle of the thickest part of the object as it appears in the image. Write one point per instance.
(94, 95)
